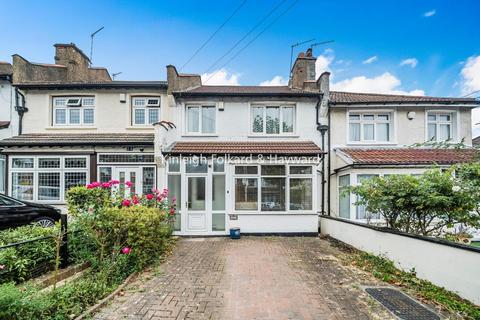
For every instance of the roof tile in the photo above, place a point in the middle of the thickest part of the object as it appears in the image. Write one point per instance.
(234, 147)
(337, 97)
(408, 156)
(58, 139)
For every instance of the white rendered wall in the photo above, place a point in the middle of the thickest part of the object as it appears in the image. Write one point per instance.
(454, 268)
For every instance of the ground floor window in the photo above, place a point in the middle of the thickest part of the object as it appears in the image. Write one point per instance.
(46, 178)
(271, 188)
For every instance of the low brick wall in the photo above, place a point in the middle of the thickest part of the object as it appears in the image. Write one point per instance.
(446, 264)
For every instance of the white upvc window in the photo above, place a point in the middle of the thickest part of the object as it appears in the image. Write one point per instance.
(46, 178)
(272, 119)
(201, 119)
(265, 188)
(440, 125)
(145, 110)
(73, 111)
(370, 127)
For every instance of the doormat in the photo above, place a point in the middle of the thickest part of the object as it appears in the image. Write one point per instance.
(401, 305)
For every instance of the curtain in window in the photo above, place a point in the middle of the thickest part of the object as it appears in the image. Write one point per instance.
(193, 117)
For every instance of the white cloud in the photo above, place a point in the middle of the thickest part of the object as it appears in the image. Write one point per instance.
(324, 61)
(429, 13)
(370, 60)
(385, 83)
(412, 62)
(275, 81)
(471, 75)
(220, 77)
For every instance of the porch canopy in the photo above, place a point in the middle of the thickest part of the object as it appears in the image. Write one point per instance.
(405, 156)
(284, 148)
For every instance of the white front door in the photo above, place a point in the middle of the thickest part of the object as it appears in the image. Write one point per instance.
(196, 204)
(124, 174)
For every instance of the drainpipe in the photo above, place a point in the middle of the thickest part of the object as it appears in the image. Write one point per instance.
(20, 108)
(329, 161)
(322, 128)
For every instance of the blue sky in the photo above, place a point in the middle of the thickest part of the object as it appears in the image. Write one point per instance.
(439, 41)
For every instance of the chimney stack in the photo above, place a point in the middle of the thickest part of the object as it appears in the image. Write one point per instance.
(303, 71)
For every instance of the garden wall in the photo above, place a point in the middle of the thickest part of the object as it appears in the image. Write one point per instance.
(446, 264)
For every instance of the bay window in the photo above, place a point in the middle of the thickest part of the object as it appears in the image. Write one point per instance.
(73, 111)
(201, 119)
(440, 126)
(272, 119)
(369, 127)
(271, 189)
(46, 178)
(145, 110)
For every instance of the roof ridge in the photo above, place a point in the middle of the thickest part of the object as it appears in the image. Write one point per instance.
(393, 94)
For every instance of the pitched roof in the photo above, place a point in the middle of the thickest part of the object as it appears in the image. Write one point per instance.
(72, 139)
(6, 69)
(94, 85)
(476, 141)
(303, 148)
(245, 91)
(337, 97)
(407, 156)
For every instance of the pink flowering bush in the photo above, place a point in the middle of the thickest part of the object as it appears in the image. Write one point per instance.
(121, 223)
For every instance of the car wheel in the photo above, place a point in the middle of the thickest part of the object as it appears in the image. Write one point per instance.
(45, 222)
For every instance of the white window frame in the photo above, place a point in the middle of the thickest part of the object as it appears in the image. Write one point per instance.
(287, 177)
(146, 107)
(36, 170)
(280, 106)
(392, 125)
(68, 109)
(200, 105)
(454, 124)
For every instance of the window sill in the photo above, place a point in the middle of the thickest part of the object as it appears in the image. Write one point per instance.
(149, 127)
(392, 143)
(273, 213)
(71, 128)
(274, 136)
(200, 135)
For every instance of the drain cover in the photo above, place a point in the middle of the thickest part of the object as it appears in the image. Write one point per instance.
(401, 305)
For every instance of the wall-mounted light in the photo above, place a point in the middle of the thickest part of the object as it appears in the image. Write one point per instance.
(411, 115)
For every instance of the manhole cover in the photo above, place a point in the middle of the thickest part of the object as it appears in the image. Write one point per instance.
(401, 305)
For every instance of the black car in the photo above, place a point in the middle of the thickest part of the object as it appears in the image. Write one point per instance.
(15, 213)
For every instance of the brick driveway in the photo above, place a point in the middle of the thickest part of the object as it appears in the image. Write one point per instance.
(251, 278)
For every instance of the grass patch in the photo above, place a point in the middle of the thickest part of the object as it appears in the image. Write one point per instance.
(385, 270)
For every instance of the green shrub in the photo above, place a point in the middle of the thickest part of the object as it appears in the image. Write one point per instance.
(83, 199)
(17, 262)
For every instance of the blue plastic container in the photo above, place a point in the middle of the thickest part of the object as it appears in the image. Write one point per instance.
(234, 233)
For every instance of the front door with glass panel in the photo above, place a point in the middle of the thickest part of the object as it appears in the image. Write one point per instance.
(196, 204)
(131, 174)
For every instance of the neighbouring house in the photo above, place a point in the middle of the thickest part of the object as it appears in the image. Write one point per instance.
(476, 141)
(264, 159)
(78, 126)
(377, 135)
(6, 112)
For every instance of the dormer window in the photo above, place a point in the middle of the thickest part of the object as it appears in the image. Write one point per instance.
(73, 111)
(145, 110)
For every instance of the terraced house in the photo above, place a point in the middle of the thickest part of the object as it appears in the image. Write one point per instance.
(265, 159)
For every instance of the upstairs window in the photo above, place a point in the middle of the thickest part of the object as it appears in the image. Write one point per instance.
(145, 110)
(272, 119)
(201, 119)
(440, 126)
(369, 127)
(73, 111)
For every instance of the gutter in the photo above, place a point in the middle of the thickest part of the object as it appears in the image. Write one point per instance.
(244, 94)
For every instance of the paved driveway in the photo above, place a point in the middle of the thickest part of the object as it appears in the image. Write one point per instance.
(252, 278)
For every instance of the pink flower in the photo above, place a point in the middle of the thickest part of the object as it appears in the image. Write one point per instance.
(135, 200)
(172, 211)
(128, 184)
(126, 203)
(174, 200)
(93, 185)
(149, 196)
(126, 250)
(2, 266)
(113, 182)
(106, 185)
